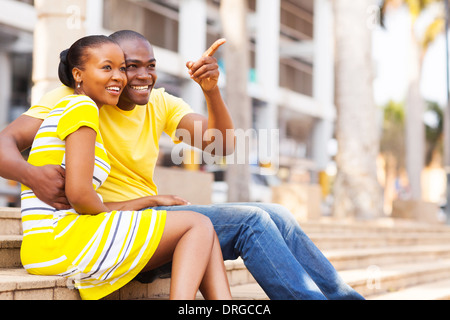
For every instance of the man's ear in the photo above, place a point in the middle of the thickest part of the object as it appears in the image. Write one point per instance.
(77, 75)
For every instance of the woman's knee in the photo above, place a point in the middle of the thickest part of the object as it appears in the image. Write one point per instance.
(180, 225)
(199, 223)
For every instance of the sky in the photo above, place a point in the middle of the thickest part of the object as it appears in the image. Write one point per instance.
(390, 47)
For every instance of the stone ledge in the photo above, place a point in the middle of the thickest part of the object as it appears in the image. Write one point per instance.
(10, 213)
(439, 290)
(17, 284)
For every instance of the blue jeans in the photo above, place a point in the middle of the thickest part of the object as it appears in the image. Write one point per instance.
(280, 256)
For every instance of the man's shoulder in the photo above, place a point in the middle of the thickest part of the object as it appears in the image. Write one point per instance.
(160, 98)
(48, 102)
(57, 94)
(51, 98)
(157, 94)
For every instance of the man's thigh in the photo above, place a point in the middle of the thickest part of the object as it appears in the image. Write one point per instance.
(232, 222)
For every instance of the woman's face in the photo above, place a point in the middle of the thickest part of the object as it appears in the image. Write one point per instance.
(103, 77)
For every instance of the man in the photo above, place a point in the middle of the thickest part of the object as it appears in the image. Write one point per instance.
(280, 256)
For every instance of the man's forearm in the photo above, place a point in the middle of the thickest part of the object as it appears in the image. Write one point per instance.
(15, 138)
(47, 182)
(205, 72)
(220, 119)
(12, 165)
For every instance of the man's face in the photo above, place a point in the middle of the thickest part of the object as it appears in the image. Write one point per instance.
(141, 73)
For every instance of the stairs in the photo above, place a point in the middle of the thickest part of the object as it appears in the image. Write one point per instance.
(17, 284)
(388, 259)
(383, 260)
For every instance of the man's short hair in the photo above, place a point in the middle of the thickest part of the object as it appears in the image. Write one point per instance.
(127, 35)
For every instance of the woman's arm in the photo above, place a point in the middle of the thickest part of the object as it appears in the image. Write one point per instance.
(80, 160)
(147, 202)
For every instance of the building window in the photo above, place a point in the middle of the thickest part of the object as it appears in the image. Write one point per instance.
(21, 84)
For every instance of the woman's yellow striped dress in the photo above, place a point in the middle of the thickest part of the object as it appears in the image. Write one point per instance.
(100, 253)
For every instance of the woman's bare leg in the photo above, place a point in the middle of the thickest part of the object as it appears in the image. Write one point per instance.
(187, 241)
(215, 285)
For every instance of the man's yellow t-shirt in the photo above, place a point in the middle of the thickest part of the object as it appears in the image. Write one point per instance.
(131, 139)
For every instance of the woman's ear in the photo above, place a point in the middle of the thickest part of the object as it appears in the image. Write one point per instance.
(77, 75)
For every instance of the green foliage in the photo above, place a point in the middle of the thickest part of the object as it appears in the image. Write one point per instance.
(415, 8)
(393, 134)
(434, 133)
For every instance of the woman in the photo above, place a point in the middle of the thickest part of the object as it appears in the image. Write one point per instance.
(94, 243)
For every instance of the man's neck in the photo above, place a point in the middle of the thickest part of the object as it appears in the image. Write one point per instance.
(126, 106)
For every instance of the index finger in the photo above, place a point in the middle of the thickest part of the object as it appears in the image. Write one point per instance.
(214, 47)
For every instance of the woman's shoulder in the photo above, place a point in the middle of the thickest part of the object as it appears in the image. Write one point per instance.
(79, 98)
(75, 101)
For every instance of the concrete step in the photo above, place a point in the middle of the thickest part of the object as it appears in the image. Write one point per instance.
(10, 251)
(378, 226)
(250, 291)
(346, 259)
(438, 290)
(377, 280)
(424, 281)
(10, 221)
(17, 284)
(326, 241)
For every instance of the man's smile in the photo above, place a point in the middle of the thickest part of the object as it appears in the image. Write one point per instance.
(141, 88)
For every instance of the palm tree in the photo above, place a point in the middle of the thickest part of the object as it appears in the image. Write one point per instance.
(415, 104)
(233, 17)
(392, 150)
(357, 191)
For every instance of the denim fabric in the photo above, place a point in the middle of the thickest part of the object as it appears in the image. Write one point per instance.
(276, 251)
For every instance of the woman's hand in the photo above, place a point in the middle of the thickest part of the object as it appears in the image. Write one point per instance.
(147, 202)
(169, 200)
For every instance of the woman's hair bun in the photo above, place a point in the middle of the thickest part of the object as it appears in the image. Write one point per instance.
(63, 56)
(65, 70)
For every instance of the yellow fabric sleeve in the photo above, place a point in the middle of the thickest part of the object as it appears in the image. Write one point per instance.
(82, 113)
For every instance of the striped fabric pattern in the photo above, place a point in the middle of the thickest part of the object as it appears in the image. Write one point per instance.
(98, 253)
